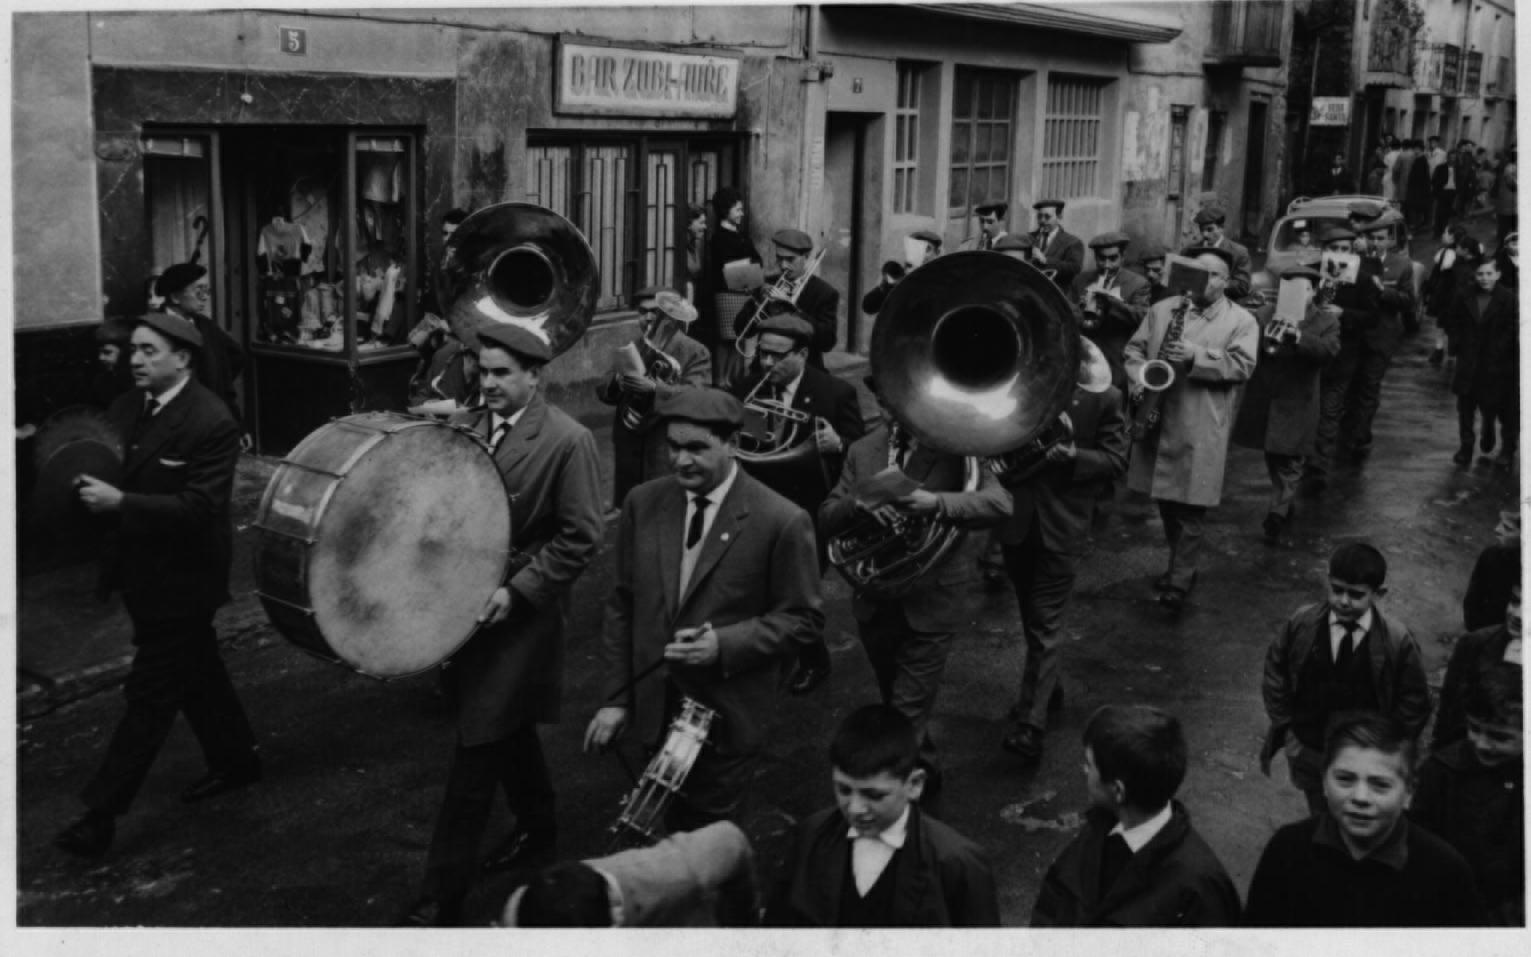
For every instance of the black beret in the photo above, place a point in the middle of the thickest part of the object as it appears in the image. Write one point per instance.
(1151, 252)
(513, 337)
(789, 324)
(999, 207)
(704, 406)
(1302, 271)
(1110, 239)
(1336, 234)
(1196, 251)
(1021, 241)
(178, 277)
(183, 331)
(647, 292)
(1209, 215)
(927, 235)
(793, 239)
(1056, 203)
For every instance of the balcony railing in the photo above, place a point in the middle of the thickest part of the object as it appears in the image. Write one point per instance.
(1472, 74)
(1246, 33)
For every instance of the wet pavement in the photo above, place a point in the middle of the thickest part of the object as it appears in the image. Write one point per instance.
(336, 835)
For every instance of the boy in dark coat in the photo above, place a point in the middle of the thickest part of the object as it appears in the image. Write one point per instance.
(1339, 655)
(1474, 653)
(1279, 414)
(876, 860)
(1359, 863)
(1483, 328)
(1138, 862)
(1472, 793)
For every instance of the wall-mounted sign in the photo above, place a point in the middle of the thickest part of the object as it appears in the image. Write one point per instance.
(293, 40)
(613, 81)
(1330, 111)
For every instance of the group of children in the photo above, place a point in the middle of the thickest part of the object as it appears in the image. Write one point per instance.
(1387, 843)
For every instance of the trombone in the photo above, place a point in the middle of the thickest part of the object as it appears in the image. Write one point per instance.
(745, 338)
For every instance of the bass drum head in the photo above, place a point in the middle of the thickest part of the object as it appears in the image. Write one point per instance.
(412, 543)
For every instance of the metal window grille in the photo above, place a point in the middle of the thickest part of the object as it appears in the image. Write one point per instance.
(659, 218)
(906, 150)
(983, 121)
(601, 212)
(1071, 136)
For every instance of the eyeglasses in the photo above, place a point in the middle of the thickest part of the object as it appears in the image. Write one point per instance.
(200, 289)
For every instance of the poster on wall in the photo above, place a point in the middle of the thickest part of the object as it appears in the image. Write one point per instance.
(620, 81)
(1330, 111)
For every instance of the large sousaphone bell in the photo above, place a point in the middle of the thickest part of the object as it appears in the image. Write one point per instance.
(520, 263)
(974, 354)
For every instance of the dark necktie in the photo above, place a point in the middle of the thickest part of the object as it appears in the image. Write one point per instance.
(498, 436)
(1346, 654)
(698, 517)
(1114, 857)
(145, 416)
(987, 243)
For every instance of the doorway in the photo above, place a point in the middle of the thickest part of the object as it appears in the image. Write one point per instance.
(842, 215)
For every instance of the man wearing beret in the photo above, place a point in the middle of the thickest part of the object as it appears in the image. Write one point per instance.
(1112, 300)
(907, 634)
(920, 247)
(991, 224)
(715, 580)
(673, 361)
(189, 295)
(783, 376)
(1279, 412)
(1150, 266)
(168, 550)
(817, 300)
(1358, 304)
(1209, 222)
(1056, 249)
(1180, 463)
(508, 678)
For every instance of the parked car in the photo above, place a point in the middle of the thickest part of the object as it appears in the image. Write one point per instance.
(1315, 215)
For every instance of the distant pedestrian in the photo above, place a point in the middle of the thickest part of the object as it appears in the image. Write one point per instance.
(1444, 186)
(1417, 198)
(1359, 862)
(1482, 327)
(1138, 861)
(1506, 197)
(1339, 655)
(1337, 179)
(1467, 177)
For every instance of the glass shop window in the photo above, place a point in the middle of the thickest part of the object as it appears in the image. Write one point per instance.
(178, 183)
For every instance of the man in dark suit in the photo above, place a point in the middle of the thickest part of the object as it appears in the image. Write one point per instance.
(1056, 249)
(992, 227)
(1483, 323)
(715, 580)
(169, 547)
(1113, 301)
(664, 319)
(1336, 179)
(907, 635)
(817, 301)
(508, 678)
(834, 415)
(1210, 221)
(1044, 536)
(1357, 304)
(920, 247)
(1394, 283)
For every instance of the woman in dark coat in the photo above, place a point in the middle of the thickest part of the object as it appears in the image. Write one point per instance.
(730, 243)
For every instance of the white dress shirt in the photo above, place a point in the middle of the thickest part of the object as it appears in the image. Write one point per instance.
(166, 397)
(1363, 625)
(496, 421)
(870, 853)
(1138, 836)
(715, 498)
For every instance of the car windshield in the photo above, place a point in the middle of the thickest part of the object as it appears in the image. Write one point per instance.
(1296, 232)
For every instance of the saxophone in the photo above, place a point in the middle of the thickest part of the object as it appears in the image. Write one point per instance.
(659, 366)
(1157, 375)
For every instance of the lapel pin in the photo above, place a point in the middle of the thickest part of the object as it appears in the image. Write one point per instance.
(725, 536)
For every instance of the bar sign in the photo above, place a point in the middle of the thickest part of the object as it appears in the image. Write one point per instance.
(294, 40)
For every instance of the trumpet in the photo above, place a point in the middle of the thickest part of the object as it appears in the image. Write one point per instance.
(893, 271)
(789, 289)
(1280, 330)
(659, 366)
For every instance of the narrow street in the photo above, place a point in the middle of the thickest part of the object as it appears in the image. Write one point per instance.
(337, 833)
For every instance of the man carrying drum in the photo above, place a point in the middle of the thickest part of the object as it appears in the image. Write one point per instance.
(716, 580)
(507, 679)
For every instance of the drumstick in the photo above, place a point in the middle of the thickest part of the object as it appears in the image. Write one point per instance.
(706, 626)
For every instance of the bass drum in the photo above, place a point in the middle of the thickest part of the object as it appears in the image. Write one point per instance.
(380, 538)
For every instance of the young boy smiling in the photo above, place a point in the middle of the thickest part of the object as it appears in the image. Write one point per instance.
(1340, 655)
(1360, 863)
(874, 859)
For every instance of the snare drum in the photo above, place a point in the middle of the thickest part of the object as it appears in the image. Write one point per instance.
(379, 540)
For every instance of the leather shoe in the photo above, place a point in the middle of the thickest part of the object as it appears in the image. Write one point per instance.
(90, 836)
(1025, 742)
(521, 848)
(430, 912)
(811, 671)
(215, 783)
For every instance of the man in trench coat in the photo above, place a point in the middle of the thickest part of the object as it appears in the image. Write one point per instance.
(1279, 413)
(1180, 463)
(508, 678)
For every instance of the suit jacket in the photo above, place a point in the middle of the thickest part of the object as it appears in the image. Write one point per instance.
(701, 878)
(819, 302)
(1359, 303)
(1065, 253)
(940, 878)
(1175, 880)
(695, 361)
(1394, 302)
(1487, 345)
(806, 482)
(1061, 497)
(756, 581)
(219, 361)
(1398, 672)
(1280, 409)
(510, 674)
(1111, 329)
(931, 603)
(169, 547)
